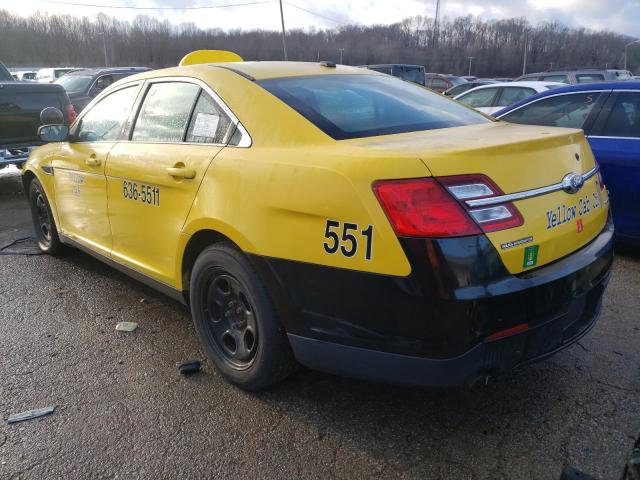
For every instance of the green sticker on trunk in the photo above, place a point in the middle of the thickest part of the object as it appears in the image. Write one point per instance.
(530, 256)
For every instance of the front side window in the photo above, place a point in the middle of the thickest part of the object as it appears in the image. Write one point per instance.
(209, 124)
(479, 98)
(624, 119)
(512, 95)
(165, 112)
(104, 81)
(352, 106)
(105, 120)
(570, 111)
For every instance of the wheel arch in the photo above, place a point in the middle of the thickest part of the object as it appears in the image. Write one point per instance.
(205, 237)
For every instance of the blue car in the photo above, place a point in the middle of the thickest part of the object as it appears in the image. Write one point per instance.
(609, 114)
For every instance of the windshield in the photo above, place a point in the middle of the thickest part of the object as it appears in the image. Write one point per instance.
(456, 80)
(353, 106)
(74, 83)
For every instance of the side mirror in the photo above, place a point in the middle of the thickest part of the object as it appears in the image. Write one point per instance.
(53, 133)
(51, 116)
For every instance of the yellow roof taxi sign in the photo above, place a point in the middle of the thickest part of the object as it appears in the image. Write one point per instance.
(209, 56)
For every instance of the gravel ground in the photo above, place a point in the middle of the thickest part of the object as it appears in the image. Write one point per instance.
(123, 411)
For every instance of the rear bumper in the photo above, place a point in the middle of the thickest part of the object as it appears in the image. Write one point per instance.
(433, 327)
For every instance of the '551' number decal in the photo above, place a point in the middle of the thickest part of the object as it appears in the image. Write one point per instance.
(347, 241)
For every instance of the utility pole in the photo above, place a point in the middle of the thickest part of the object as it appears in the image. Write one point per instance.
(341, 50)
(524, 61)
(104, 46)
(625, 51)
(436, 26)
(284, 44)
(470, 58)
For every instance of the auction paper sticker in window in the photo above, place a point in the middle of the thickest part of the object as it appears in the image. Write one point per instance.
(206, 125)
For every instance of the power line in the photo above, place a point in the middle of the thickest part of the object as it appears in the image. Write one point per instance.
(313, 13)
(126, 7)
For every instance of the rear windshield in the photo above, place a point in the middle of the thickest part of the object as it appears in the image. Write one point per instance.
(74, 83)
(411, 74)
(353, 106)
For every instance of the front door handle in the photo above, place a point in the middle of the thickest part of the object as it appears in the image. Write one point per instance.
(181, 172)
(92, 161)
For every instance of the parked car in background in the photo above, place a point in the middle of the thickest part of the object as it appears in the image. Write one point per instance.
(578, 75)
(440, 82)
(463, 87)
(609, 114)
(410, 73)
(493, 97)
(20, 106)
(26, 75)
(49, 75)
(83, 85)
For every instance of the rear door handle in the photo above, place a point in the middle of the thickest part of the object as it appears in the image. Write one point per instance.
(92, 161)
(181, 172)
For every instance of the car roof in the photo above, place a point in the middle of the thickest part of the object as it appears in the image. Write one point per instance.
(580, 87)
(390, 65)
(262, 70)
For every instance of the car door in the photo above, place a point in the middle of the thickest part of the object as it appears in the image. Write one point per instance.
(481, 99)
(79, 170)
(615, 140)
(153, 176)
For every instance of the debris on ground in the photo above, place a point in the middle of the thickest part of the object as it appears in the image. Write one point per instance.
(27, 246)
(126, 326)
(30, 414)
(189, 368)
(59, 290)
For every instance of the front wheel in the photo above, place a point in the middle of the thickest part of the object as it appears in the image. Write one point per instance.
(43, 221)
(236, 320)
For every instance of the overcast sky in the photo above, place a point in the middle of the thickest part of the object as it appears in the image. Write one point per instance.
(621, 16)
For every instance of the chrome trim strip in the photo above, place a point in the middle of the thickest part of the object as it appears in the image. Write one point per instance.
(536, 192)
(613, 137)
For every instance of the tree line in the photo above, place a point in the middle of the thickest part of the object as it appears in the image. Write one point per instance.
(497, 47)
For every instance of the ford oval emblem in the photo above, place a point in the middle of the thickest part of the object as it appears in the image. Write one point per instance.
(572, 182)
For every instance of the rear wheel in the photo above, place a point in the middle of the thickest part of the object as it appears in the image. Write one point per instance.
(43, 221)
(236, 320)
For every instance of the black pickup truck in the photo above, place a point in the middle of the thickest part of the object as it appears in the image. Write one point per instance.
(20, 107)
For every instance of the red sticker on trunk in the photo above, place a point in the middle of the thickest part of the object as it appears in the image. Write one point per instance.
(579, 223)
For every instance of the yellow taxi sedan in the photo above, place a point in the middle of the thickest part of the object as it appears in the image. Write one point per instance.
(333, 217)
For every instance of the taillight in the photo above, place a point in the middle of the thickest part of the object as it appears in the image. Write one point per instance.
(436, 207)
(600, 180)
(491, 217)
(423, 208)
(71, 113)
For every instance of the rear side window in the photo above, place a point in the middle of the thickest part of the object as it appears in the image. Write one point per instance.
(4, 74)
(411, 74)
(589, 77)
(209, 124)
(165, 112)
(624, 119)
(511, 95)
(568, 111)
(479, 98)
(352, 106)
(105, 120)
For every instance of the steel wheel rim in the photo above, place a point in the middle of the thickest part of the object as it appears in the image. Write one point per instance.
(44, 221)
(230, 320)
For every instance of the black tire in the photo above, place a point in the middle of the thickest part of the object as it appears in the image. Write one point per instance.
(43, 221)
(236, 320)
